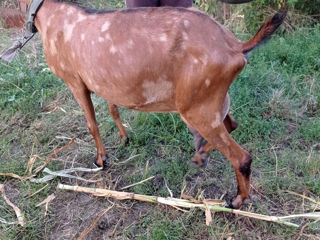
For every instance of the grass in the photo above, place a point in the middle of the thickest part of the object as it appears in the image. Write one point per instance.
(276, 101)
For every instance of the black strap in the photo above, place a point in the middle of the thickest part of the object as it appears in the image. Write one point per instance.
(31, 14)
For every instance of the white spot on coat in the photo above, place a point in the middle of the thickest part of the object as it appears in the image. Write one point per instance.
(49, 20)
(63, 66)
(224, 138)
(68, 28)
(81, 17)
(186, 23)
(157, 91)
(163, 37)
(207, 82)
(70, 11)
(101, 39)
(130, 43)
(113, 49)
(217, 121)
(185, 36)
(108, 37)
(105, 26)
(204, 59)
(53, 48)
(52, 69)
(82, 37)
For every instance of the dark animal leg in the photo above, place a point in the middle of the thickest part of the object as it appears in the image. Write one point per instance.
(200, 157)
(230, 123)
(218, 137)
(113, 109)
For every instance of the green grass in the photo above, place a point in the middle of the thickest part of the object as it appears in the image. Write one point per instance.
(276, 101)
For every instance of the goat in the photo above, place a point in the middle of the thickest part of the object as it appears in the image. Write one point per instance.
(152, 60)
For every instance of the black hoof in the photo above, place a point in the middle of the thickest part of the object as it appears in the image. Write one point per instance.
(199, 160)
(125, 140)
(105, 163)
(202, 164)
(230, 205)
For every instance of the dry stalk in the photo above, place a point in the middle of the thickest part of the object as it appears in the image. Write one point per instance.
(213, 205)
(134, 184)
(54, 153)
(127, 160)
(46, 202)
(15, 208)
(304, 197)
(36, 192)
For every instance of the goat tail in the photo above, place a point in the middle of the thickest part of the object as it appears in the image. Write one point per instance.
(265, 31)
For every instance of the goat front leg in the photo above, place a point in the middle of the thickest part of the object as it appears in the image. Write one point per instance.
(215, 133)
(82, 96)
(114, 112)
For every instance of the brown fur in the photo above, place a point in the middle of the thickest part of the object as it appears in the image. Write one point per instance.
(151, 60)
(12, 18)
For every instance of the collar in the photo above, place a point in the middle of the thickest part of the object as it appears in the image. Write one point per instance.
(31, 14)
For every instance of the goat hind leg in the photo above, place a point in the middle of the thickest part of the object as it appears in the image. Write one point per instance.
(219, 138)
(230, 123)
(114, 112)
(200, 158)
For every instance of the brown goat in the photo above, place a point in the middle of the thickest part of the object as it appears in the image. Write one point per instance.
(152, 60)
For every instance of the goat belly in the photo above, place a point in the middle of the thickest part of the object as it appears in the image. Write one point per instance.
(146, 98)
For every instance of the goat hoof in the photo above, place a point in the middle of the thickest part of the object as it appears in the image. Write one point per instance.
(124, 140)
(199, 161)
(104, 164)
(236, 202)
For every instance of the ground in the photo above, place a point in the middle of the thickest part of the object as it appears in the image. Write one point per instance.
(275, 100)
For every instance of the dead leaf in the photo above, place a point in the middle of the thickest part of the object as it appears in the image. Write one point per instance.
(208, 213)
(30, 164)
(192, 199)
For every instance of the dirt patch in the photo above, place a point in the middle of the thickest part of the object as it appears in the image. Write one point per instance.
(12, 193)
(74, 212)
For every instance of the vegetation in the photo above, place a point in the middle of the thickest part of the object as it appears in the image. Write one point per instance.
(276, 101)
